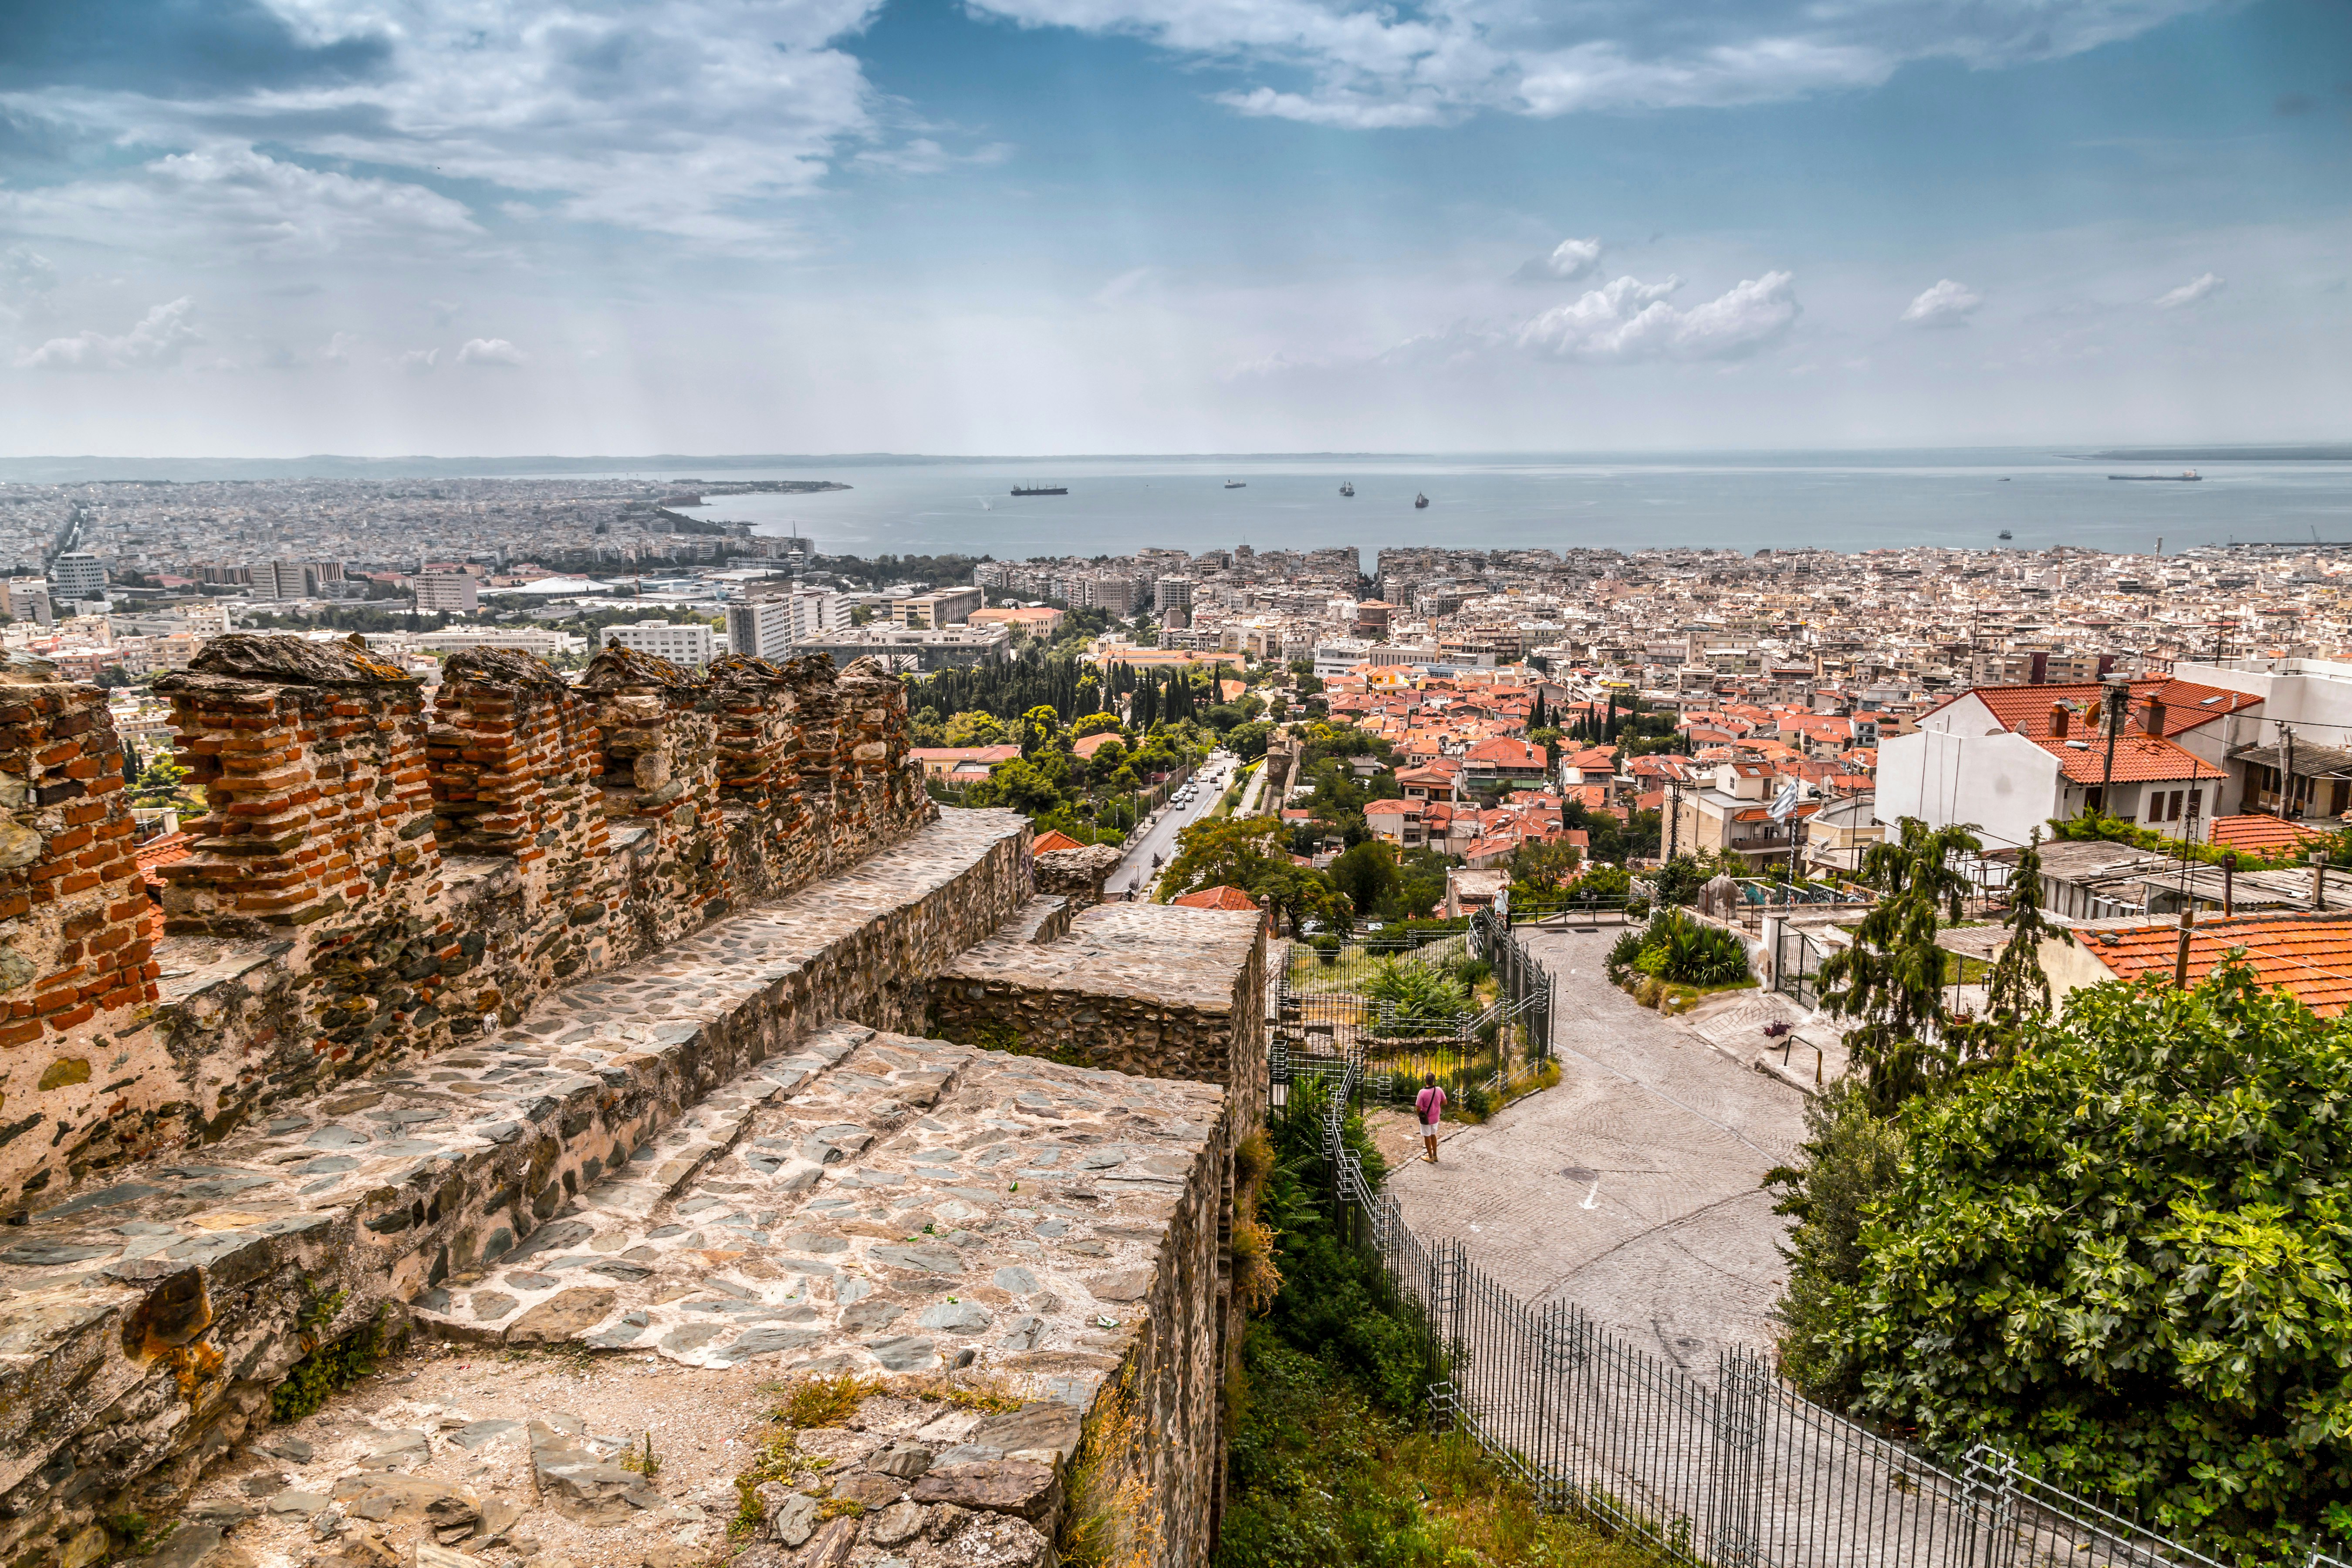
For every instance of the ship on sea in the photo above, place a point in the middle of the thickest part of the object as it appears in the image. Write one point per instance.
(1347, 486)
(1420, 501)
(1032, 488)
(1236, 484)
(2186, 476)
(2006, 535)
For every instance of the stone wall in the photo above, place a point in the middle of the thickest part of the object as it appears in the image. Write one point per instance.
(1160, 991)
(371, 880)
(143, 1323)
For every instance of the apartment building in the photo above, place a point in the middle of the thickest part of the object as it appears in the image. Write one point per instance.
(936, 611)
(454, 593)
(694, 643)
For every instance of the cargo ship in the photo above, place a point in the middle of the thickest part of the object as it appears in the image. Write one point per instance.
(1040, 490)
(2186, 476)
(1236, 484)
(1420, 501)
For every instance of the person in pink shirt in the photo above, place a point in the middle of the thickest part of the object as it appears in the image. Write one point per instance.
(1429, 1109)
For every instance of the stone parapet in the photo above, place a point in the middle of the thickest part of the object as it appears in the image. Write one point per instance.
(370, 882)
(1158, 990)
(311, 758)
(142, 1323)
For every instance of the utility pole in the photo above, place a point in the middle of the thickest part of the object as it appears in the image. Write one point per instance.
(2287, 773)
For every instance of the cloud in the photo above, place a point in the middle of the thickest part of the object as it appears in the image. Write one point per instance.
(1629, 320)
(1571, 261)
(1379, 68)
(25, 273)
(923, 155)
(226, 196)
(1947, 304)
(156, 340)
(419, 361)
(2204, 286)
(339, 349)
(490, 351)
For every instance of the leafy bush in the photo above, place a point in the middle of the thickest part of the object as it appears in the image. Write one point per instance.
(2123, 1257)
(1326, 946)
(1848, 1166)
(1681, 950)
(1423, 996)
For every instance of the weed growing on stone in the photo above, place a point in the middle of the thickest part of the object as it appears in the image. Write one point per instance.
(138, 1534)
(1112, 1519)
(840, 1507)
(644, 1461)
(826, 1401)
(988, 1394)
(775, 1460)
(325, 1368)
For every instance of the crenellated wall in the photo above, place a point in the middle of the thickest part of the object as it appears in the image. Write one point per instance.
(372, 879)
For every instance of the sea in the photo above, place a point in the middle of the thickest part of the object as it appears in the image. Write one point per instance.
(1843, 501)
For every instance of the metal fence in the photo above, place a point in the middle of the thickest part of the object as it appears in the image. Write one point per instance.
(1723, 1466)
(1797, 966)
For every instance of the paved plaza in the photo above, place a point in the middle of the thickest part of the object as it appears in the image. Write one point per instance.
(1631, 1189)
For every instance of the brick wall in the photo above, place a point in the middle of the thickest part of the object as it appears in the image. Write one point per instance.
(371, 880)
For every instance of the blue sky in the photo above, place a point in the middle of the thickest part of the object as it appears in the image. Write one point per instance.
(273, 227)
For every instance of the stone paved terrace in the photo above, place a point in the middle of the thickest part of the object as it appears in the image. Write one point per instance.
(1153, 988)
(142, 1322)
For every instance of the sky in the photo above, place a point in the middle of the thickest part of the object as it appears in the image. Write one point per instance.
(269, 227)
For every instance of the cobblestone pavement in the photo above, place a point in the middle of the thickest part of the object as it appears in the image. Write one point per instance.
(1631, 1189)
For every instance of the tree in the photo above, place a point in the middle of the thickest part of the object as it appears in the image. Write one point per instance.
(2122, 1259)
(1891, 978)
(972, 728)
(1849, 1165)
(1545, 865)
(164, 783)
(1367, 874)
(2018, 989)
(1224, 851)
(1247, 742)
(1094, 724)
(1041, 731)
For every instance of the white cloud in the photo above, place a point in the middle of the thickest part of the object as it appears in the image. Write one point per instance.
(1628, 319)
(339, 349)
(1947, 304)
(670, 118)
(157, 339)
(1571, 261)
(2202, 287)
(26, 272)
(226, 197)
(419, 361)
(489, 351)
(923, 155)
(1375, 68)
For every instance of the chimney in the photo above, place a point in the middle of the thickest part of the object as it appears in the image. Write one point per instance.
(2059, 719)
(2154, 720)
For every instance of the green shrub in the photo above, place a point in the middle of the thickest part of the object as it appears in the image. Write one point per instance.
(326, 1368)
(1423, 996)
(1679, 950)
(2121, 1258)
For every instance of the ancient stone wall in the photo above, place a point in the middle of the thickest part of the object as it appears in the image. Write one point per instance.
(143, 1323)
(1160, 991)
(371, 880)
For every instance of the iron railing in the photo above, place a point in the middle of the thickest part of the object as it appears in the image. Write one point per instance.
(1719, 1464)
(1797, 966)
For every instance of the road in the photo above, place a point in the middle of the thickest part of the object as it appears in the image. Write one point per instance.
(1631, 1189)
(1135, 871)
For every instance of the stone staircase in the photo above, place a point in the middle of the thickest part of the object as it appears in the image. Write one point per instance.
(144, 1321)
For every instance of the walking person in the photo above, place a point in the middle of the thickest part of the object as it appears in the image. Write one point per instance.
(1429, 1108)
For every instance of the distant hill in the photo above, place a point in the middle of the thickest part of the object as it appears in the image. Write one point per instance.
(2324, 452)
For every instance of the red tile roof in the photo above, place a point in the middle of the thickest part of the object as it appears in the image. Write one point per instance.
(2257, 834)
(1053, 839)
(2310, 959)
(1217, 898)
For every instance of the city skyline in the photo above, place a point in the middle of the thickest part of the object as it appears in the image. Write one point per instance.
(249, 228)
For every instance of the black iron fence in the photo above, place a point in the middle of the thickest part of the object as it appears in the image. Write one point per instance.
(1722, 1465)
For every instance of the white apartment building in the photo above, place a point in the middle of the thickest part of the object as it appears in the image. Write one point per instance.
(694, 643)
(28, 600)
(770, 627)
(78, 576)
(520, 640)
(1173, 593)
(456, 592)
